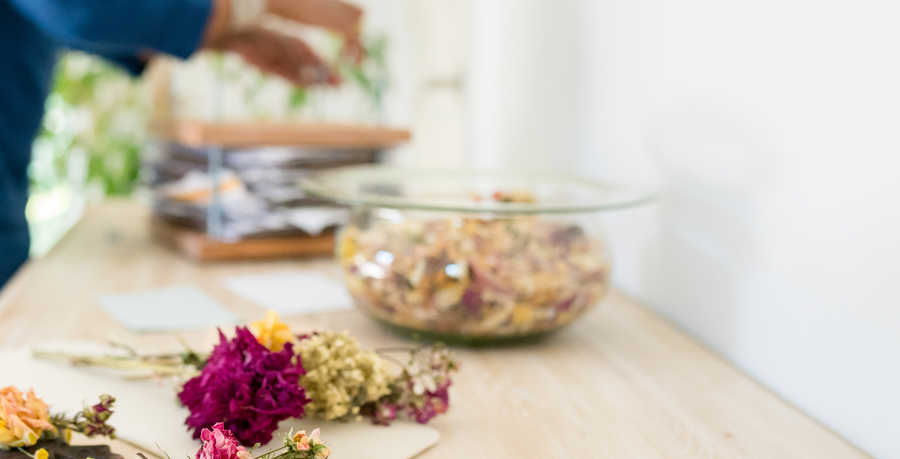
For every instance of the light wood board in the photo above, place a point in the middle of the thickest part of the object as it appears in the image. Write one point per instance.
(620, 383)
(240, 134)
(199, 247)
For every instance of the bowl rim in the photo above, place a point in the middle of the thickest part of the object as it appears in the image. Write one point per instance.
(340, 185)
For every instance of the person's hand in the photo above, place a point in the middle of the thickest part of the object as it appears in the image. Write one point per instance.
(282, 55)
(334, 15)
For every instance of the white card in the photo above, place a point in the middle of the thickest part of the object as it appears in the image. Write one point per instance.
(291, 292)
(147, 414)
(175, 308)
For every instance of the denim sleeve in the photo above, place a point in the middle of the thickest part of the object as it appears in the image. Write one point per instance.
(132, 65)
(170, 26)
(124, 57)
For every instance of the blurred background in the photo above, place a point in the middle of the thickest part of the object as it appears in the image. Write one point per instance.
(770, 126)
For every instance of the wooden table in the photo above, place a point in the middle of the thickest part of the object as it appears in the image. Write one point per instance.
(621, 383)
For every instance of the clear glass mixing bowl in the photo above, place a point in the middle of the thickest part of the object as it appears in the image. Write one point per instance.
(473, 257)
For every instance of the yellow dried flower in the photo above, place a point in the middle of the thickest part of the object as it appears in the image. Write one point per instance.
(22, 421)
(41, 454)
(271, 332)
(340, 376)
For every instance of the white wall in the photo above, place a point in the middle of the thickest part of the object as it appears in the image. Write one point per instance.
(774, 127)
(520, 53)
(427, 56)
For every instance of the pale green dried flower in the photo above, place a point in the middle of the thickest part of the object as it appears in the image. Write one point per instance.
(340, 376)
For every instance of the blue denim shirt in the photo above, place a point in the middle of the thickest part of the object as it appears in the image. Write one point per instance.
(32, 33)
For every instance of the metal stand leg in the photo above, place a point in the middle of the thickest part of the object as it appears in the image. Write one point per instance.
(214, 168)
(214, 210)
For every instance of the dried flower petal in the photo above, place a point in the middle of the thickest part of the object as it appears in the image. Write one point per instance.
(485, 277)
(247, 387)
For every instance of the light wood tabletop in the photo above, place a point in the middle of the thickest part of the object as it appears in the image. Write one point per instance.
(620, 383)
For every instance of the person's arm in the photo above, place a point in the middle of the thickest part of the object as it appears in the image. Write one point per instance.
(135, 28)
(132, 63)
(175, 27)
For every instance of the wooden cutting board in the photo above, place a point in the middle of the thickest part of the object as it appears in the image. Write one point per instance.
(148, 414)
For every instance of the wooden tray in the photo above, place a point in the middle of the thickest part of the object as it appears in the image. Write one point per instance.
(198, 134)
(197, 246)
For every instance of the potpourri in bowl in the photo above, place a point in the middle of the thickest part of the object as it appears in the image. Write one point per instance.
(473, 257)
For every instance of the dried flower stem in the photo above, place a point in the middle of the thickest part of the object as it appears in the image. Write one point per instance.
(154, 364)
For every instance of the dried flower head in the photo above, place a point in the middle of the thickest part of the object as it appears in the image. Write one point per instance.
(309, 447)
(91, 421)
(219, 443)
(271, 332)
(421, 389)
(300, 441)
(340, 376)
(95, 418)
(247, 387)
(22, 421)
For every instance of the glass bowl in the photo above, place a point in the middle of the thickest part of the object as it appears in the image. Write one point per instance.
(472, 257)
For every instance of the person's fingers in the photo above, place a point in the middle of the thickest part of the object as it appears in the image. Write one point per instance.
(335, 15)
(284, 56)
(353, 51)
(307, 67)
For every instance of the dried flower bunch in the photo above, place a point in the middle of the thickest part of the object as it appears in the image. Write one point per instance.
(265, 374)
(25, 421)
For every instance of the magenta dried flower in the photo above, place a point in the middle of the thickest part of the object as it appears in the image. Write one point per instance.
(96, 416)
(421, 389)
(91, 421)
(431, 404)
(247, 388)
(219, 443)
(382, 412)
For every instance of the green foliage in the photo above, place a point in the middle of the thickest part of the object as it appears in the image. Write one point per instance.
(94, 128)
(372, 74)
